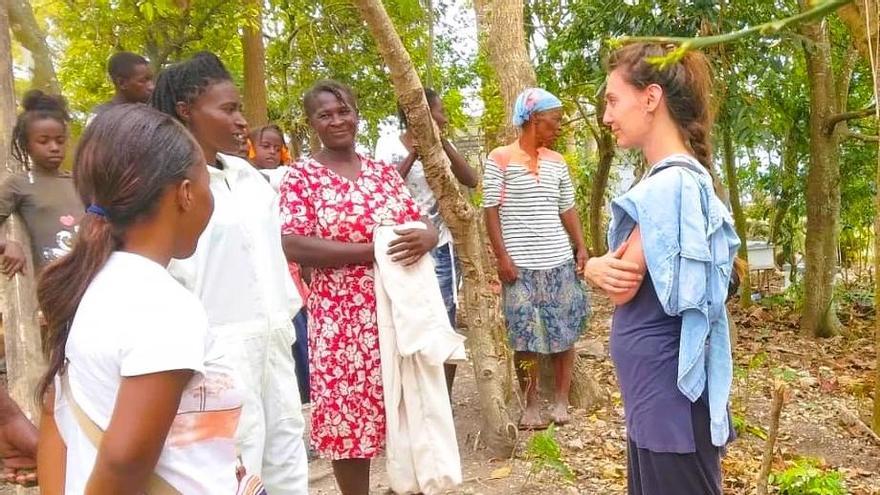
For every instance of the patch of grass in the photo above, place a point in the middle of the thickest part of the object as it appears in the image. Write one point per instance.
(742, 426)
(792, 297)
(786, 374)
(807, 476)
(544, 452)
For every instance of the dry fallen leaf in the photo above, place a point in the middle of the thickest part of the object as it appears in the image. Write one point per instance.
(500, 473)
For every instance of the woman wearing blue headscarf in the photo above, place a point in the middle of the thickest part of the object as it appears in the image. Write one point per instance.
(528, 199)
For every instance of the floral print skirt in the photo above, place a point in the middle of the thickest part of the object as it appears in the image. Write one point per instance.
(546, 310)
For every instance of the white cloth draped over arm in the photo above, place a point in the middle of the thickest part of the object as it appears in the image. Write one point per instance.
(415, 339)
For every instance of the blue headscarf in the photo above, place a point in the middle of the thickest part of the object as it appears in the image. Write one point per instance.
(532, 101)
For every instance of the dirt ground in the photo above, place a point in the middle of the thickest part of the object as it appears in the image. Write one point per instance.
(824, 378)
(829, 385)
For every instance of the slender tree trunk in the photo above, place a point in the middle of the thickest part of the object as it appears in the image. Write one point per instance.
(255, 99)
(739, 217)
(861, 18)
(876, 417)
(429, 71)
(490, 358)
(7, 89)
(789, 176)
(501, 23)
(819, 317)
(605, 151)
(24, 359)
(28, 33)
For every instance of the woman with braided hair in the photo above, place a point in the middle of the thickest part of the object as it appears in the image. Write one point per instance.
(673, 245)
(240, 273)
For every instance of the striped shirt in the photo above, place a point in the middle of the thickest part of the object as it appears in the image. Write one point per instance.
(530, 206)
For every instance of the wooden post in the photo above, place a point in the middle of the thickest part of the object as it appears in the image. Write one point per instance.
(24, 358)
(770, 445)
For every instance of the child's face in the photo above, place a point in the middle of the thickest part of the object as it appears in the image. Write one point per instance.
(268, 150)
(47, 143)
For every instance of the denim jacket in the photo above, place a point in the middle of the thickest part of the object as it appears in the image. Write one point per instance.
(689, 241)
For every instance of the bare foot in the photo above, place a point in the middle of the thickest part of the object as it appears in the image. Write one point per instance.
(18, 450)
(531, 419)
(559, 414)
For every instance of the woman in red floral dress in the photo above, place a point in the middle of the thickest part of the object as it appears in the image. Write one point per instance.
(330, 204)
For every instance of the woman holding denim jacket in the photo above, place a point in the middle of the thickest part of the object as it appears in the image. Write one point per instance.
(672, 245)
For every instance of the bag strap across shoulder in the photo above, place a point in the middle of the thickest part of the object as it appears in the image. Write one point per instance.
(681, 163)
(156, 485)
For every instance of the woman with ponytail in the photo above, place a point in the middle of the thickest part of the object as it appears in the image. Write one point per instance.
(43, 194)
(672, 244)
(137, 399)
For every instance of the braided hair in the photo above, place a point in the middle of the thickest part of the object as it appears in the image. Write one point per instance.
(687, 87)
(185, 81)
(37, 105)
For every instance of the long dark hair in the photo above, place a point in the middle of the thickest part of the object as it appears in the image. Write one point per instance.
(185, 81)
(687, 87)
(37, 106)
(126, 158)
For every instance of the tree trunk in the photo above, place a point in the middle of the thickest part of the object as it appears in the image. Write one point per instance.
(28, 33)
(429, 70)
(739, 217)
(819, 318)
(24, 359)
(876, 417)
(255, 100)
(789, 176)
(480, 294)
(605, 150)
(863, 17)
(501, 24)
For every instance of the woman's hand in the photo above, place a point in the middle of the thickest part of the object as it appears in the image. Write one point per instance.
(612, 274)
(13, 260)
(581, 255)
(412, 244)
(507, 270)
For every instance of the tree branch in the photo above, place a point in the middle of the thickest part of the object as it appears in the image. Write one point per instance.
(586, 117)
(861, 137)
(833, 120)
(766, 29)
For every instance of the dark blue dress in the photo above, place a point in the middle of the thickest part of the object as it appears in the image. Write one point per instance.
(669, 444)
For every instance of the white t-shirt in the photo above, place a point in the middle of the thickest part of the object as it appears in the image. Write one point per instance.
(135, 319)
(391, 150)
(276, 175)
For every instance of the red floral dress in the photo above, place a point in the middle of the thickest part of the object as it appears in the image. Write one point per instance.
(348, 415)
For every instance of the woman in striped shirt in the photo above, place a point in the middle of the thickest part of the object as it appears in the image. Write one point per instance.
(536, 235)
